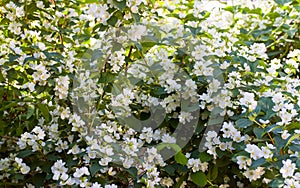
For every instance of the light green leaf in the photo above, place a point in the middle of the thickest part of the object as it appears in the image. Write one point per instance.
(175, 147)
(181, 158)
(294, 137)
(293, 125)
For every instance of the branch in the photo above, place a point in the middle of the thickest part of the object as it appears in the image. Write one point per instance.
(128, 56)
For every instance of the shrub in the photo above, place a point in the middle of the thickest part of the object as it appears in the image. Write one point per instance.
(143, 93)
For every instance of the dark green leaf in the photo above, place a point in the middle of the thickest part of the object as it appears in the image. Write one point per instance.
(133, 171)
(282, 2)
(205, 157)
(94, 168)
(25, 153)
(38, 179)
(9, 105)
(199, 178)
(30, 111)
(213, 172)
(170, 170)
(276, 183)
(44, 110)
(258, 162)
(2, 79)
(121, 5)
(258, 132)
(243, 123)
(112, 20)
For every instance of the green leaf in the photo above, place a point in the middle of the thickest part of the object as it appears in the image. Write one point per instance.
(181, 158)
(205, 157)
(170, 170)
(10, 105)
(282, 2)
(24, 153)
(2, 79)
(258, 162)
(112, 20)
(276, 183)
(179, 182)
(4, 21)
(30, 111)
(175, 147)
(258, 132)
(44, 110)
(31, 8)
(297, 7)
(38, 179)
(199, 178)
(99, 26)
(293, 125)
(291, 32)
(294, 137)
(94, 168)
(243, 123)
(132, 171)
(213, 172)
(107, 77)
(91, 1)
(136, 17)
(121, 5)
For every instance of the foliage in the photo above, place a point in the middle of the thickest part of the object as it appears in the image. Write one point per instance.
(142, 93)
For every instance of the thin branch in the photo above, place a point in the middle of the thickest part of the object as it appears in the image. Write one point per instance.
(128, 56)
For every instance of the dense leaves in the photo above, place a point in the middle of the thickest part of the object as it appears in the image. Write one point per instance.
(144, 93)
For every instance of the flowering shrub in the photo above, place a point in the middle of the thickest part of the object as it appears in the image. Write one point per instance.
(144, 93)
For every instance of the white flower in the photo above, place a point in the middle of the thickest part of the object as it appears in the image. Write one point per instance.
(197, 165)
(243, 162)
(248, 100)
(15, 28)
(285, 134)
(31, 86)
(254, 174)
(40, 132)
(24, 168)
(81, 171)
(254, 151)
(267, 152)
(111, 186)
(168, 139)
(185, 117)
(288, 168)
(20, 12)
(58, 169)
(41, 46)
(167, 181)
(40, 4)
(136, 32)
(99, 12)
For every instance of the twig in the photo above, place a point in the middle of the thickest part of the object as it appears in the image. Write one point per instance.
(126, 64)
(10, 138)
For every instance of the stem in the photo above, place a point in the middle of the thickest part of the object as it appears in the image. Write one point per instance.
(272, 140)
(128, 56)
(10, 138)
